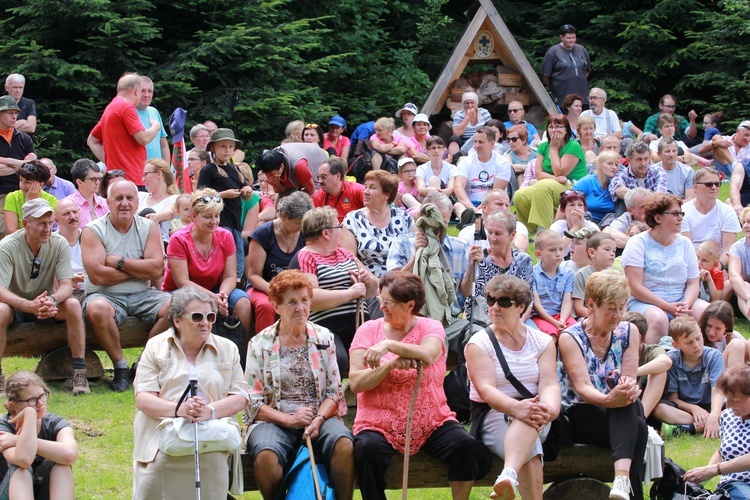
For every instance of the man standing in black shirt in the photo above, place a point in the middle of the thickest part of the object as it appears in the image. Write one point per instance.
(16, 147)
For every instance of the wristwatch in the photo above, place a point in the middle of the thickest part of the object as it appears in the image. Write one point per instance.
(213, 411)
(120, 263)
(54, 299)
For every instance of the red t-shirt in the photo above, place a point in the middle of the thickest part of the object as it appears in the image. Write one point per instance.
(301, 172)
(718, 276)
(115, 130)
(350, 198)
(205, 270)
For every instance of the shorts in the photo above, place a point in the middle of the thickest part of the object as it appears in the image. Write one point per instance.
(495, 427)
(234, 297)
(22, 317)
(145, 304)
(284, 442)
(641, 307)
(40, 475)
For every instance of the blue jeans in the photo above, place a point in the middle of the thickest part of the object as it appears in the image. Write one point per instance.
(737, 490)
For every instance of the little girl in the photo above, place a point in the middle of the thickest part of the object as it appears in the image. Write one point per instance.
(32, 469)
(408, 193)
(182, 205)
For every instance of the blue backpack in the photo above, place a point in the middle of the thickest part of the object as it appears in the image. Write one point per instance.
(298, 481)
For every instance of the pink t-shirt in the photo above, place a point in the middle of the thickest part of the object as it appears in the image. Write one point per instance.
(384, 408)
(205, 270)
(343, 141)
(412, 142)
(397, 138)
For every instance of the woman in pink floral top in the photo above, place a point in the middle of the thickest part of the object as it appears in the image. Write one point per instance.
(383, 358)
(295, 391)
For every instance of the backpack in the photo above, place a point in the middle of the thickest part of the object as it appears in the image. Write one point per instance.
(298, 481)
(671, 486)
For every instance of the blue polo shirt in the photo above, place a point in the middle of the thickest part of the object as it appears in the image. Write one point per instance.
(530, 129)
(694, 386)
(551, 289)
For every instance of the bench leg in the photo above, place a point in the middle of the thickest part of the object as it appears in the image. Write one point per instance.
(577, 488)
(58, 365)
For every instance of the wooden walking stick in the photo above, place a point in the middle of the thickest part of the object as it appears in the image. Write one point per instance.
(407, 445)
(314, 469)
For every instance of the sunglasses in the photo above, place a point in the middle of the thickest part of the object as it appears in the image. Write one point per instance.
(95, 180)
(115, 173)
(710, 184)
(504, 302)
(514, 110)
(311, 125)
(35, 400)
(196, 317)
(28, 167)
(209, 199)
(36, 266)
(514, 139)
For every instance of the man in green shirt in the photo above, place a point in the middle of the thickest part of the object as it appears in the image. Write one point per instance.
(30, 261)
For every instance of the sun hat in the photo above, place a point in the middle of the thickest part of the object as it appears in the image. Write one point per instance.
(223, 134)
(411, 108)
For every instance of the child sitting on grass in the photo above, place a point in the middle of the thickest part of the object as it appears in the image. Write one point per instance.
(601, 248)
(553, 285)
(693, 402)
(711, 276)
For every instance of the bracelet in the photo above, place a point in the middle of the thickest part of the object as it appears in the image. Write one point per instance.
(718, 468)
(321, 416)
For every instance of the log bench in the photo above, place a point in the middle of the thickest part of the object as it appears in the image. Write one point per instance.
(579, 472)
(51, 341)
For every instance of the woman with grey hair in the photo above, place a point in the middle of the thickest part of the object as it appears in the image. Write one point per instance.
(502, 258)
(338, 279)
(272, 246)
(199, 136)
(187, 350)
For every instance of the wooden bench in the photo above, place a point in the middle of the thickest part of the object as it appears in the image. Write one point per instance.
(51, 341)
(579, 472)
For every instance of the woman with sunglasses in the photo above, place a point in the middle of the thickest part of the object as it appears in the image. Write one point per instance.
(384, 355)
(597, 368)
(560, 160)
(295, 393)
(511, 427)
(39, 448)
(170, 360)
(662, 268)
(32, 176)
(337, 277)
(520, 153)
(161, 193)
(707, 218)
(312, 134)
(202, 254)
(109, 176)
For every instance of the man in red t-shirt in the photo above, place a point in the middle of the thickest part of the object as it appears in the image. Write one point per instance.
(335, 192)
(119, 139)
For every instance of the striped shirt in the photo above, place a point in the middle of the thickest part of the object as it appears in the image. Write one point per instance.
(333, 274)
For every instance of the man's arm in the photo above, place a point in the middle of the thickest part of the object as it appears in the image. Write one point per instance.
(460, 191)
(166, 155)
(94, 255)
(143, 137)
(28, 125)
(16, 302)
(151, 266)
(96, 146)
(735, 184)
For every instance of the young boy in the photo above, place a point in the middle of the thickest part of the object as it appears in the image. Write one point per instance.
(578, 256)
(553, 285)
(692, 397)
(711, 276)
(600, 248)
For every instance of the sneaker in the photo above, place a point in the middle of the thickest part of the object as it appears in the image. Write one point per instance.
(467, 218)
(620, 488)
(120, 381)
(505, 485)
(80, 383)
(673, 430)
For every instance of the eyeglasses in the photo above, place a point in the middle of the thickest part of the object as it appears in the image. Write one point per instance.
(678, 214)
(196, 317)
(386, 302)
(710, 184)
(36, 266)
(209, 199)
(707, 124)
(504, 302)
(193, 159)
(594, 97)
(311, 125)
(435, 148)
(35, 400)
(95, 180)
(514, 139)
(572, 192)
(321, 177)
(670, 106)
(334, 227)
(514, 110)
(145, 173)
(411, 171)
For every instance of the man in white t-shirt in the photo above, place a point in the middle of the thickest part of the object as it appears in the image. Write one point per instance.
(481, 172)
(494, 200)
(706, 218)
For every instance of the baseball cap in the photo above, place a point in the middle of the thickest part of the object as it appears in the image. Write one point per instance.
(35, 208)
(337, 121)
(581, 234)
(404, 160)
(745, 124)
(7, 102)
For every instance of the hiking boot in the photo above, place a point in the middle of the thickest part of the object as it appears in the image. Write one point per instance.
(467, 218)
(80, 383)
(120, 381)
(505, 485)
(620, 489)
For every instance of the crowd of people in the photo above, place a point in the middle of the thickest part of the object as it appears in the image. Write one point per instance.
(361, 280)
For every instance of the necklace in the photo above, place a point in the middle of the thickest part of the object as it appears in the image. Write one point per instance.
(281, 235)
(594, 342)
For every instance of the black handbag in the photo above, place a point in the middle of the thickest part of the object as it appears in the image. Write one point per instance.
(231, 328)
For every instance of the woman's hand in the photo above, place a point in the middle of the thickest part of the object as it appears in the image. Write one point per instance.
(624, 393)
(556, 139)
(222, 303)
(374, 354)
(303, 417)
(195, 410)
(531, 412)
(400, 363)
(576, 220)
(20, 417)
(313, 430)
(562, 179)
(357, 291)
(701, 474)
(230, 193)
(476, 254)
(677, 308)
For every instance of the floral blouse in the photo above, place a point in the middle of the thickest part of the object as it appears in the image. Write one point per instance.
(263, 369)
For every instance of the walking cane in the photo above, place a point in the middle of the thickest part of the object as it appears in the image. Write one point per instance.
(478, 236)
(314, 469)
(193, 391)
(407, 444)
